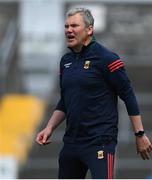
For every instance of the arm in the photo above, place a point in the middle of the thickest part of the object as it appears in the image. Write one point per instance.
(57, 117)
(143, 144)
(118, 79)
(43, 136)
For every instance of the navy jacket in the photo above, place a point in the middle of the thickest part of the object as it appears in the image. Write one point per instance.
(91, 82)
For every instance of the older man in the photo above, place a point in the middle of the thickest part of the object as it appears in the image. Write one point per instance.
(91, 80)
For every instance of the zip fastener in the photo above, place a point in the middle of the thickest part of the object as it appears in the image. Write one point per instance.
(78, 60)
(75, 61)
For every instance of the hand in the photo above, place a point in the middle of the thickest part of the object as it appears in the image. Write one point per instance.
(144, 147)
(43, 136)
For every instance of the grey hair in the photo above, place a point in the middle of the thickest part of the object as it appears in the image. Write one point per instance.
(85, 13)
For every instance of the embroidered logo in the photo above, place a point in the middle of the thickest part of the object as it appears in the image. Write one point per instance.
(100, 154)
(87, 64)
(67, 65)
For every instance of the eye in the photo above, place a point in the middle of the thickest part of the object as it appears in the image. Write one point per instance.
(66, 26)
(74, 25)
(71, 25)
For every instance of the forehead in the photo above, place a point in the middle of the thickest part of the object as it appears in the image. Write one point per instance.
(77, 18)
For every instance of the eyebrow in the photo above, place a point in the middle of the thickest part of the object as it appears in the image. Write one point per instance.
(73, 25)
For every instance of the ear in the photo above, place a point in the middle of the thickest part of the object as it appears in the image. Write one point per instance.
(90, 30)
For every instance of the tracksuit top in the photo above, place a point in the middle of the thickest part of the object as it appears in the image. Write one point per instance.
(91, 82)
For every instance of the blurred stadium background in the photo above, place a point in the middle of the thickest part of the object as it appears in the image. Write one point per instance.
(31, 45)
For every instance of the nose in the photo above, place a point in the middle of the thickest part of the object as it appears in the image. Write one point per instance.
(68, 29)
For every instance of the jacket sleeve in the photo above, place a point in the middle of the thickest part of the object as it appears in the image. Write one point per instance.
(60, 105)
(116, 76)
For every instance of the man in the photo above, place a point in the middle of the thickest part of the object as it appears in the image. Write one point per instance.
(91, 79)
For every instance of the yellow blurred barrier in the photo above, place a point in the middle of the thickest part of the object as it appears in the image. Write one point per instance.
(20, 116)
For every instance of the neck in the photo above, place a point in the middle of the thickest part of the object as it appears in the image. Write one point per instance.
(85, 43)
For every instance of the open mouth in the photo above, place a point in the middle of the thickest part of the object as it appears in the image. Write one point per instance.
(70, 37)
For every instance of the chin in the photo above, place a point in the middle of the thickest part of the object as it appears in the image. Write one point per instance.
(71, 45)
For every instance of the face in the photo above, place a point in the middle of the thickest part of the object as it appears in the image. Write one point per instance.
(76, 32)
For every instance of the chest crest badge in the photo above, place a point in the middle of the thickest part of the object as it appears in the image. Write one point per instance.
(100, 154)
(87, 64)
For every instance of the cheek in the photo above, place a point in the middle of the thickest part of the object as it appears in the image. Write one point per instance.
(84, 35)
(80, 35)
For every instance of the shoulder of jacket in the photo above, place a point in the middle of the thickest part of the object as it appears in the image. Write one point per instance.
(104, 52)
(66, 57)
